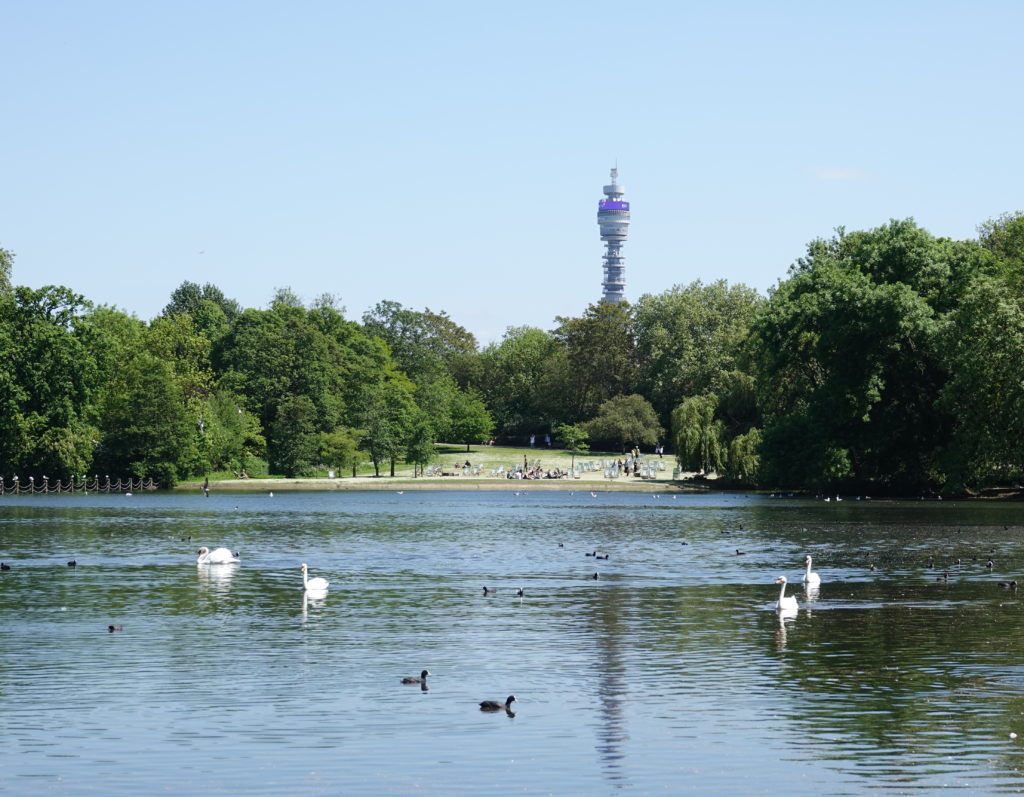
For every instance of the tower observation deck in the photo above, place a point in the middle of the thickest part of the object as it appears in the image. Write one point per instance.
(613, 216)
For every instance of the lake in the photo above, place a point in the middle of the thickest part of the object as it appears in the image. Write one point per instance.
(670, 672)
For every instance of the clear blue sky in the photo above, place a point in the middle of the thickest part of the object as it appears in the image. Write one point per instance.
(450, 155)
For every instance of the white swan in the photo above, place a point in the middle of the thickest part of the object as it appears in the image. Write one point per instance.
(313, 584)
(218, 556)
(809, 577)
(786, 602)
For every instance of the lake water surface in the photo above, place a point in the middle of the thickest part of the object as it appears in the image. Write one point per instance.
(671, 672)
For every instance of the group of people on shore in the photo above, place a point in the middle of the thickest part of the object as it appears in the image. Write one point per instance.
(536, 472)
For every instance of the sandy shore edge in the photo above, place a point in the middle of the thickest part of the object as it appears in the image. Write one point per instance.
(622, 484)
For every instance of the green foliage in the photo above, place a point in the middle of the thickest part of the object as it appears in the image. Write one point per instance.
(286, 299)
(270, 355)
(470, 422)
(112, 338)
(6, 269)
(436, 399)
(574, 438)
(387, 413)
(599, 359)
(518, 381)
(422, 444)
(423, 343)
(231, 436)
(742, 466)
(846, 354)
(699, 437)
(176, 340)
(690, 341)
(887, 361)
(983, 345)
(1004, 238)
(145, 428)
(209, 309)
(293, 442)
(627, 421)
(47, 383)
(340, 449)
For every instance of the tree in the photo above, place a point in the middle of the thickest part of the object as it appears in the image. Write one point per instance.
(357, 358)
(176, 340)
(436, 399)
(293, 440)
(210, 310)
(6, 270)
(574, 438)
(517, 381)
(48, 383)
(422, 444)
(269, 355)
(627, 420)
(386, 415)
(1004, 238)
(690, 341)
(340, 448)
(470, 421)
(145, 428)
(846, 358)
(983, 346)
(600, 357)
(230, 434)
(743, 462)
(698, 435)
(423, 343)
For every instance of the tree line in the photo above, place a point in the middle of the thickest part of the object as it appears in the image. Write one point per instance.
(887, 361)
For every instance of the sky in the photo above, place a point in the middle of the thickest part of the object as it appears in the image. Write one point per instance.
(450, 155)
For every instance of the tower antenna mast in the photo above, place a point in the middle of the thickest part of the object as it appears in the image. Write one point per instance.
(613, 218)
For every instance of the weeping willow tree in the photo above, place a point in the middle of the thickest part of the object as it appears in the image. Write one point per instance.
(698, 436)
(743, 463)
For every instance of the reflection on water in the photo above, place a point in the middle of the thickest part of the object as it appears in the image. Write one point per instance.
(671, 672)
(216, 577)
(786, 616)
(312, 598)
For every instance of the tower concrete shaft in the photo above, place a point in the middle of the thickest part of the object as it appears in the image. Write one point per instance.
(613, 217)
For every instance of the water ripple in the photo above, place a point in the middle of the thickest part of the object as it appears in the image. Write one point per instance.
(670, 672)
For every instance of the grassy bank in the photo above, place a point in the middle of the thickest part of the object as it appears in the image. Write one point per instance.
(451, 474)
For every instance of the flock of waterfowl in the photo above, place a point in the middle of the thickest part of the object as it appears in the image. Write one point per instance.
(317, 587)
(788, 603)
(485, 705)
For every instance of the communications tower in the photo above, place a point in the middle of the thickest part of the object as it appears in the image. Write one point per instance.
(613, 216)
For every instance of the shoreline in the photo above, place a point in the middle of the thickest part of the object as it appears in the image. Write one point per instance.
(465, 483)
(469, 483)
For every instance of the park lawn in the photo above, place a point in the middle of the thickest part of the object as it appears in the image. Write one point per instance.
(446, 456)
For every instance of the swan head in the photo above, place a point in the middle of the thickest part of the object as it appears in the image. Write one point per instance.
(202, 551)
(781, 580)
(807, 560)
(304, 568)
